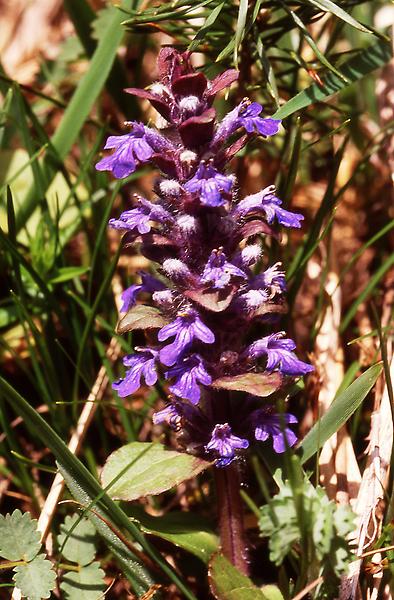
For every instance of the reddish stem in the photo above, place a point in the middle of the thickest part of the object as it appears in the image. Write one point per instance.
(230, 511)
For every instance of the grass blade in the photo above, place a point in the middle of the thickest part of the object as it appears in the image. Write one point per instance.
(309, 39)
(362, 296)
(328, 6)
(209, 21)
(363, 63)
(240, 28)
(87, 484)
(339, 412)
(80, 105)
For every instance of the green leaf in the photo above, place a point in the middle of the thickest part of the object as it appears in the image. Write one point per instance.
(79, 106)
(36, 579)
(88, 491)
(77, 540)
(227, 583)
(339, 412)
(267, 592)
(143, 468)
(89, 88)
(67, 273)
(209, 21)
(86, 584)
(240, 28)
(259, 384)
(323, 528)
(117, 544)
(102, 20)
(364, 62)
(336, 10)
(309, 39)
(184, 529)
(363, 295)
(19, 538)
(130, 568)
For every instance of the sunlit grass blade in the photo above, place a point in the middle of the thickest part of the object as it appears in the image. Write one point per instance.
(156, 16)
(38, 173)
(309, 39)
(83, 17)
(89, 323)
(80, 105)
(366, 292)
(328, 6)
(268, 70)
(339, 412)
(209, 21)
(100, 235)
(85, 483)
(11, 248)
(364, 62)
(240, 28)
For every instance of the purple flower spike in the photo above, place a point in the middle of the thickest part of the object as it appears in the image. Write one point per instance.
(148, 284)
(171, 414)
(264, 287)
(285, 217)
(249, 119)
(208, 245)
(267, 423)
(218, 271)
(188, 374)
(130, 150)
(226, 127)
(245, 115)
(268, 203)
(278, 351)
(139, 218)
(210, 184)
(273, 279)
(141, 364)
(224, 444)
(185, 328)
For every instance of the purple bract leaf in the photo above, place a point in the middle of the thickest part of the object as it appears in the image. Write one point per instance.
(222, 81)
(255, 227)
(197, 131)
(160, 105)
(192, 84)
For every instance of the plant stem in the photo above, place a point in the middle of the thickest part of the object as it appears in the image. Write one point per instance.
(12, 564)
(230, 512)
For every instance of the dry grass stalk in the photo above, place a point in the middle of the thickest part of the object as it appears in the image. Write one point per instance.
(372, 489)
(339, 471)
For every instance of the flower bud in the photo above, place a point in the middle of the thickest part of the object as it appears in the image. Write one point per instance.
(176, 269)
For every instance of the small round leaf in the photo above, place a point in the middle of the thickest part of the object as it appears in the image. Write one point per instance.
(19, 538)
